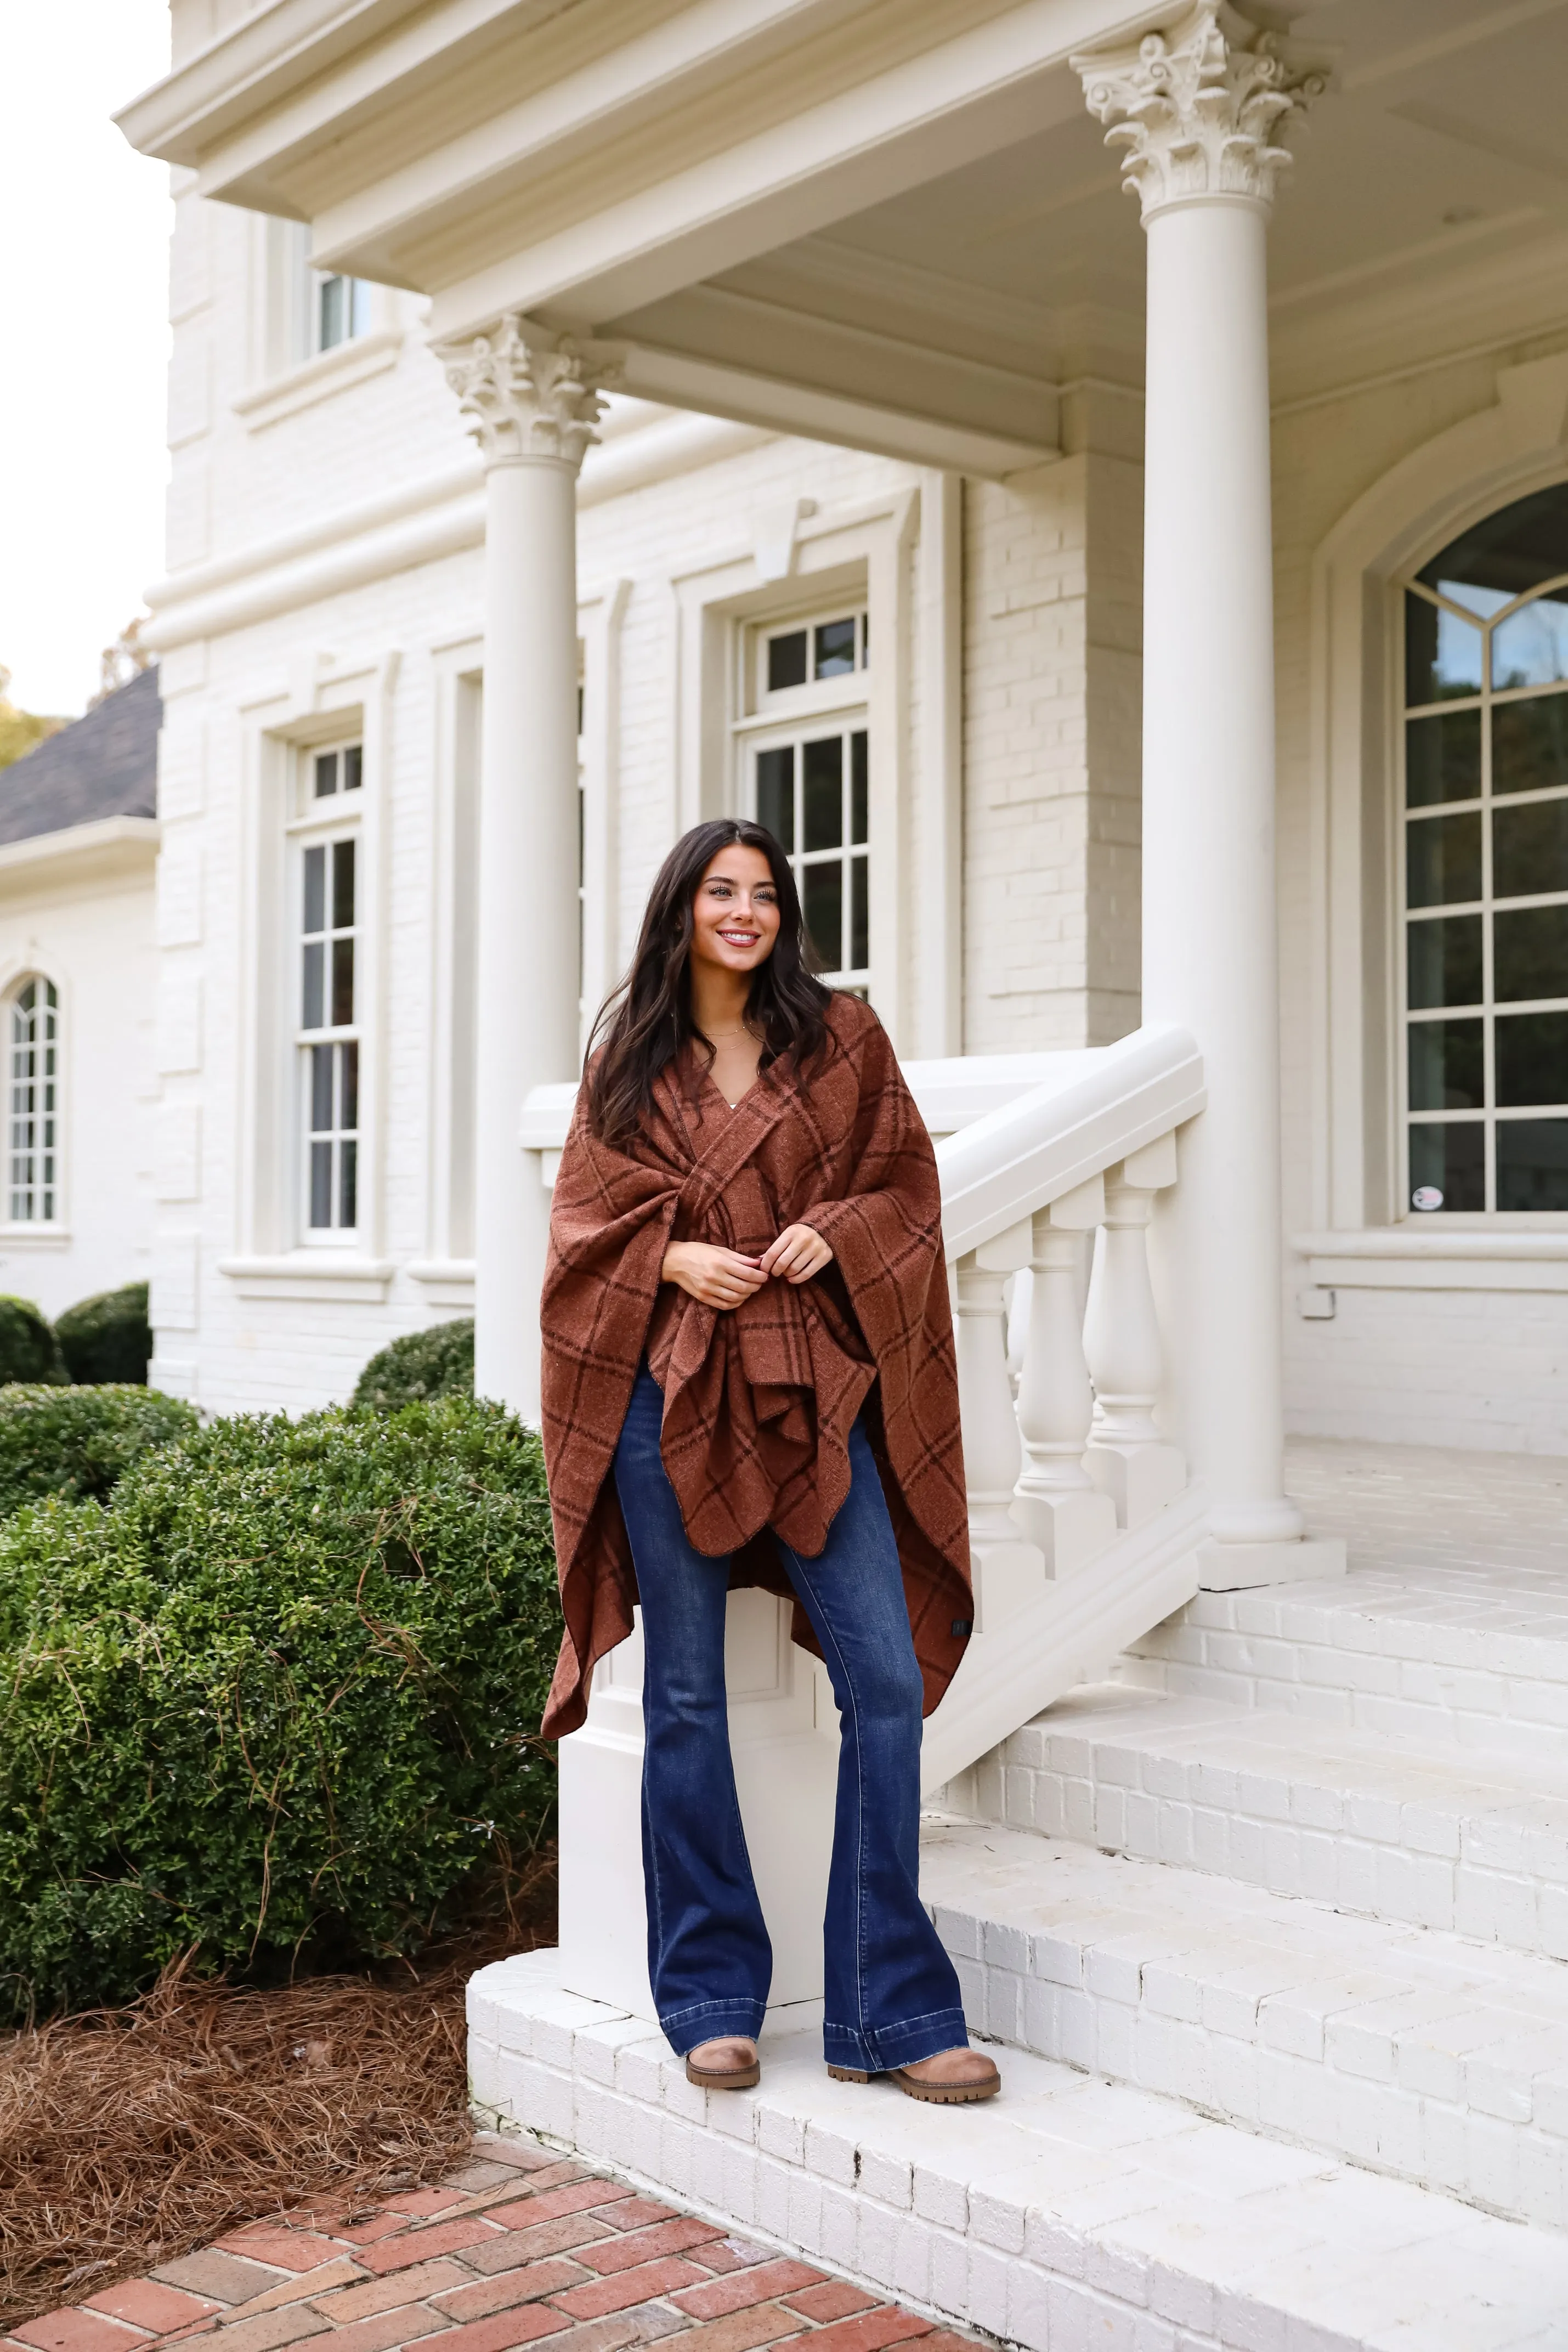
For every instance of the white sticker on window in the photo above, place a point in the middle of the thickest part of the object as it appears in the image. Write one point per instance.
(1426, 1196)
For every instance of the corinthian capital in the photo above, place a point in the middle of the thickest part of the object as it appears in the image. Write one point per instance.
(1198, 107)
(528, 394)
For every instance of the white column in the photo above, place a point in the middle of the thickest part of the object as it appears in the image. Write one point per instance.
(531, 401)
(1198, 113)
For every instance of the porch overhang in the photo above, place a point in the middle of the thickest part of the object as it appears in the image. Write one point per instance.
(884, 223)
(604, 168)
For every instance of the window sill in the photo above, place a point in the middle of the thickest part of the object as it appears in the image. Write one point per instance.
(310, 1273)
(1399, 1257)
(343, 366)
(445, 1281)
(39, 1236)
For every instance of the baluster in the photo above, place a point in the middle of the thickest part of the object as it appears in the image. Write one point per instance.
(1128, 1458)
(1006, 1567)
(1058, 1505)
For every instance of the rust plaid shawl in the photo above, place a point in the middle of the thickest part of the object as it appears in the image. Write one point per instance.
(758, 1403)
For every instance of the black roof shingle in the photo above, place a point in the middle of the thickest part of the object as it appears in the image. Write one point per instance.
(103, 764)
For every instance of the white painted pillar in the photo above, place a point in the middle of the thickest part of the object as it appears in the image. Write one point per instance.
(1198, 114)
(531, 401)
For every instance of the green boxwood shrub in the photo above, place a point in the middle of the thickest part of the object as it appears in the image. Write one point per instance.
(278, 1701)
(77, 1443)
(107, 1338)
(28, 1348)
(435, 1362)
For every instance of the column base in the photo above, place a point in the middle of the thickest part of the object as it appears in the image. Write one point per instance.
(1070, 1528)
(1238, 1567)
(1139, 1479)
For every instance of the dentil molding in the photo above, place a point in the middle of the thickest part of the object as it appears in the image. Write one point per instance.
(529, 396)
(1198, 108)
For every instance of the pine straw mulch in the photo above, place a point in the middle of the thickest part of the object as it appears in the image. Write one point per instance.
(130, 2137)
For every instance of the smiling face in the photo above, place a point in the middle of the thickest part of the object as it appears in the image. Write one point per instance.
(734, 911)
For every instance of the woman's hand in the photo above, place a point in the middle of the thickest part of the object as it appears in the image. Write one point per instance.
(719, 1277)
(797, 1254)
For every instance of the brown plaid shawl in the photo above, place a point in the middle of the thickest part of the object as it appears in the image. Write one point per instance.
(758, 1403)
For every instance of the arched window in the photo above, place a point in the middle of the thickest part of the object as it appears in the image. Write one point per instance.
(34, 1103)
(1485, 865)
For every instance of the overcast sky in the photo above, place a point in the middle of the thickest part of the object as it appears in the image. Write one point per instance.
(84, 339)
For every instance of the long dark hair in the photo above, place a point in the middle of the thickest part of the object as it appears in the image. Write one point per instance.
(648, 1020)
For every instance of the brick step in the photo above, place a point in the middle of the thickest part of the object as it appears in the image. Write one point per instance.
(1437, 1837)
(1421, 2055)
(1066, 2212)
(1456, 1651)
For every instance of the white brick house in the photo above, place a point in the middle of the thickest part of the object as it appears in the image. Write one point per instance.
(1155, 643)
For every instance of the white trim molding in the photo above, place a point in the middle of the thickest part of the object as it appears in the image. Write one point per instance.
(1418, 1257)
(446, 1282)
(600, 614)
(322, 1275)
(418, 523)
(458, 678)
(320, 377)
(106, 848)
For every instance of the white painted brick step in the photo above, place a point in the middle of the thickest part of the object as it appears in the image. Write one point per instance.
(1434, 1837)
(1419, 2054)
(1067, 2213)
(1451, 1651)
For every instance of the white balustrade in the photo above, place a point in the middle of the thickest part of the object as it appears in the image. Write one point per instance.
(1009, 1569)
(1128, 1458)
(1058, 1505)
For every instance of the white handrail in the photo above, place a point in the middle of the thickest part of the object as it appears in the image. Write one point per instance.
(1096, 1109)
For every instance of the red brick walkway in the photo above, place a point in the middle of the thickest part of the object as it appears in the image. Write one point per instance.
(514, 2247)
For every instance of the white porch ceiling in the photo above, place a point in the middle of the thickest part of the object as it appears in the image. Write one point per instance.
(883, 221)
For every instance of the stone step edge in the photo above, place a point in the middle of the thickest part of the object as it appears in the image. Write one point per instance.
(1314, 2262)
(1385, 1655)
(1409, 1860)
(1302, 2056)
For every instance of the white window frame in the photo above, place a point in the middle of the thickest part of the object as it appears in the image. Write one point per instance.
(323, 821)
(288, 369)
(328, 704)
(897, 556)
(791, 716)
(357, 300)
(52, 1079)
(1486, 699)
(1348, 1217)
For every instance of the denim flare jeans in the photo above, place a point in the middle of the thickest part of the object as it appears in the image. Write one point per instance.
(892, 1996)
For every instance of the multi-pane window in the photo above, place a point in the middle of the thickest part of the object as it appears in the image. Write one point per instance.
(35, 1105)
(807, 651)
(811, 781)
(328, 1038)
(342, 311)
(340, 769)
(1486, 866)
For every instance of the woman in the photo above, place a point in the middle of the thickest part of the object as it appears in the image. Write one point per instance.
(748, 1378)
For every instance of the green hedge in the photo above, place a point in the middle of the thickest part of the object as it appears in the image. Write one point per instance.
(107, 1338)
(79, 1443)
(28, 1348)
(277, 1702)
(435, 1362)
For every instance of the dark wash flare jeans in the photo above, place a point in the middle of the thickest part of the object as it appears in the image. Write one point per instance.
(891, 1994)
